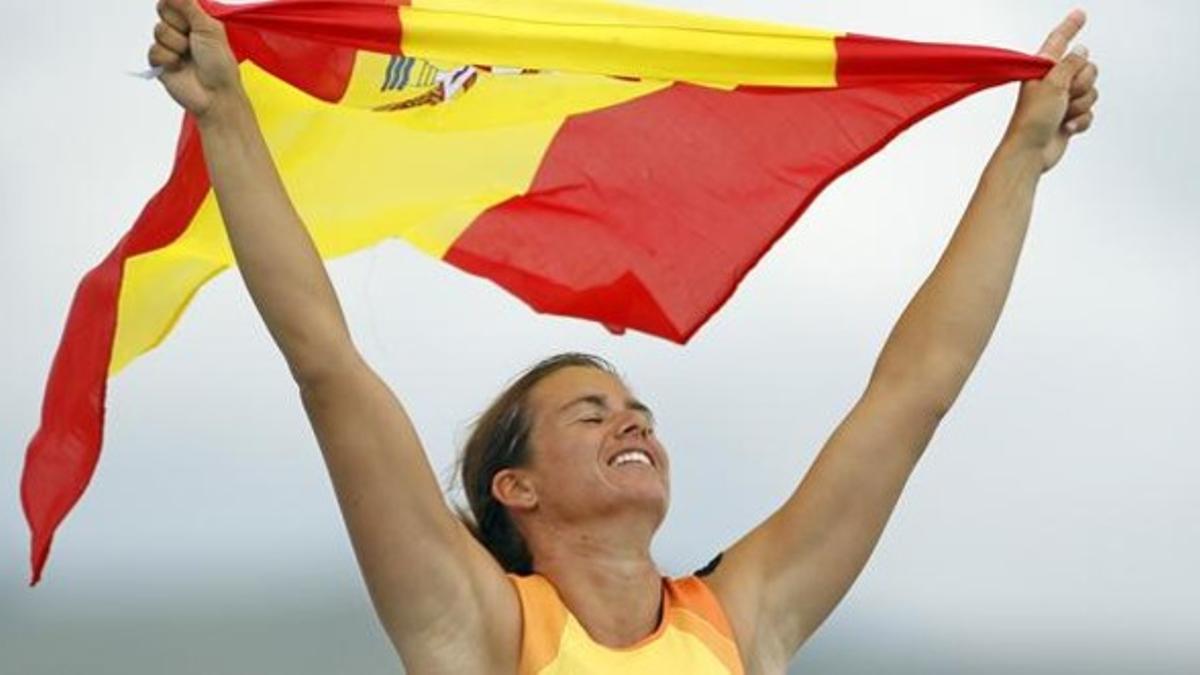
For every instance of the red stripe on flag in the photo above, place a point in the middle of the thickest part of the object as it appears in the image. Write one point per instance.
(63, 453)
(373, 25)
(322, 71)
(311, 44)
(863, 60)
(648, 214)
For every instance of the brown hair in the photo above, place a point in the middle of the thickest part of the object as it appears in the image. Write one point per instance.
(500, 440)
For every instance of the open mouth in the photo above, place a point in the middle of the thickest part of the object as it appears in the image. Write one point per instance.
(632, 456)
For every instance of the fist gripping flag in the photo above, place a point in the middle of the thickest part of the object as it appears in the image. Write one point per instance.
(617, 163)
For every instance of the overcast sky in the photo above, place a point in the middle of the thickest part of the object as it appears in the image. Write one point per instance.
(1051, 528)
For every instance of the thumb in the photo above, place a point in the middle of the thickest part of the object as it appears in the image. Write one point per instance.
(1065, 71)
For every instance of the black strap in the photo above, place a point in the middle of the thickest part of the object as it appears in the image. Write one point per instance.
(711, 566)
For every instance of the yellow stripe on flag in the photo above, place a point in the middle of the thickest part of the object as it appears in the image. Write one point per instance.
(590, 36)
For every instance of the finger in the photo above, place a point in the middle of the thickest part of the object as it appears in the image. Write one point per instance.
(161, 57)
(1082, 104)
(1064, 73)
(170, 38)
(190, 11)
(1058, 40)
(1080, 124)
(172, 17)
(1085, 79)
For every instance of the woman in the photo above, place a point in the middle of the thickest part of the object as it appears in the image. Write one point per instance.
(566, 480)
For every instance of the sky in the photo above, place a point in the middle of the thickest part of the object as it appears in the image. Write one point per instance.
(1052, 526)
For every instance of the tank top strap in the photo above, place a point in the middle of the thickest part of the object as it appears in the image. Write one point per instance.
(695, 609)
(543, 617)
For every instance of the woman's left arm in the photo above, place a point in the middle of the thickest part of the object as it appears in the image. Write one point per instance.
(780, 582)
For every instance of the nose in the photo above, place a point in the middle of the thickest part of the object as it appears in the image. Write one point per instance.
(634, 424)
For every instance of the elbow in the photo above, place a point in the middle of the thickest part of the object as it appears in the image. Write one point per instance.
(931, 385)
(937, 403)
(314, 367)
(315, 349)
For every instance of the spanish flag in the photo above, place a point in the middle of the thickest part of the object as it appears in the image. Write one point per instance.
(618, 163)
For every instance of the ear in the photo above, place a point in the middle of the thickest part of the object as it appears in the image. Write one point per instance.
(514, 489)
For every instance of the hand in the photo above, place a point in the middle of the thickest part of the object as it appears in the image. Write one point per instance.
(198, 68)
(1052, 110)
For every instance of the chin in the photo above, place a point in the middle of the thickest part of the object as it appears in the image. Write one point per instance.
(653, 504)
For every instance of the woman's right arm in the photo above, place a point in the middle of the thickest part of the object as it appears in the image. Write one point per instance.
(443, 600)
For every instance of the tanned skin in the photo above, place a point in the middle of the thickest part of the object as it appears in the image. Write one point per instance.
(443, 600)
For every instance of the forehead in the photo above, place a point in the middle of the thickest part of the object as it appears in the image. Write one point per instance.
(571, 382)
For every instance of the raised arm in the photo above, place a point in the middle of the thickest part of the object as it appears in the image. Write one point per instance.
(442, 599)
(780, 582)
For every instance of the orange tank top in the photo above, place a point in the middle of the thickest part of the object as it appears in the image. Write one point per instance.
(693, 636)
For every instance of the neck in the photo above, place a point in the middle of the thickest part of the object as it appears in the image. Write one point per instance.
(606, 579)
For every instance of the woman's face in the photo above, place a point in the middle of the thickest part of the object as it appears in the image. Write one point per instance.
(593, 449)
